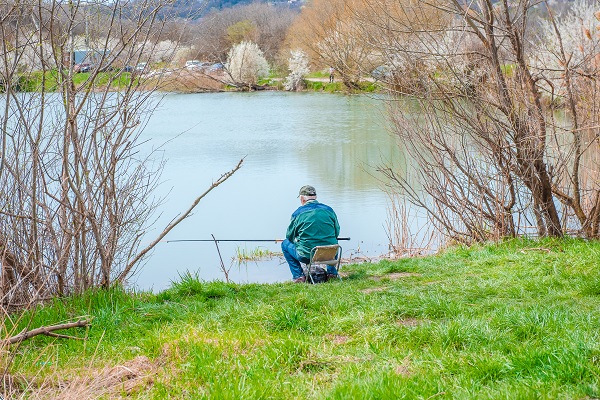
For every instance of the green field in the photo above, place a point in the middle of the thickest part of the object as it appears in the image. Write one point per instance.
(517, 320)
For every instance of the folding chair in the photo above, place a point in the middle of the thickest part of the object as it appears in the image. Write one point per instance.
(324, 255)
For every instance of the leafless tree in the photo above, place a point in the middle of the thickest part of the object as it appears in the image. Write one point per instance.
(75, 186)
(326, 32)
(477, 94)
(263, 24)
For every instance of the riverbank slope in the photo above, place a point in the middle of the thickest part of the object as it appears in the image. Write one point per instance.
(185, 81)
(515, 320)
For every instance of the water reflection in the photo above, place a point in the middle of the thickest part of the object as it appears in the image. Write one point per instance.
(288, 140)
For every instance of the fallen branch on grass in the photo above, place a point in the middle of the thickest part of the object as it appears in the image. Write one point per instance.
(536, 249)
(45, 330)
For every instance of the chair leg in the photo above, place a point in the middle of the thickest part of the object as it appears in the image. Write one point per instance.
(309, 275)
(338, 274)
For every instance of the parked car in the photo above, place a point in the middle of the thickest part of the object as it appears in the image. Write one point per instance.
(194, 64)
(83, 67)
(106, 68)
(382, 72)
(217, 67)
(142, 68)
(128, 68)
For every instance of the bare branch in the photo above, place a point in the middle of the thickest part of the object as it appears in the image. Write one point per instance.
(173, 224)
(45, 330)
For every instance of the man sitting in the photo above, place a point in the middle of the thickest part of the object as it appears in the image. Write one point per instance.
(313, 224)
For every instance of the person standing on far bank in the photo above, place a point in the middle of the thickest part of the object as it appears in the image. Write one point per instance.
(312, 224)
(331, 71)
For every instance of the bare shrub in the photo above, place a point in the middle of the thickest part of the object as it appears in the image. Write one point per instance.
(480, 125)
(404, 239)
(76, 188)
(184, 81)
(325, 31)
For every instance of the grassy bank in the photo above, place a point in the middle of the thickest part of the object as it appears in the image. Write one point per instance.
(33, 82)
(515, 320)
(183, 82)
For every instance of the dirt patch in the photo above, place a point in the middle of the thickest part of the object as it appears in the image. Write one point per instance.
(114, 382)
(187, 81)
(338, 339)
(213, 341)
(395, 276)
(404, 368)
(373, 290)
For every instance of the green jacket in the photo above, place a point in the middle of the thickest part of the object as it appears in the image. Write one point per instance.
(313, 224)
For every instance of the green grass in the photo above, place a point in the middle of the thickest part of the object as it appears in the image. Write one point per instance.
(365, 87)
(369, 87)
(271, 81)
(32, 82)
(508, 69)
(325, 86)
(319, 74)
(516, 320)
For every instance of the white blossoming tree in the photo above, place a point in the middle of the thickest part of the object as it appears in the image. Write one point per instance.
(298, 66)
(576, 29)
(246, 64)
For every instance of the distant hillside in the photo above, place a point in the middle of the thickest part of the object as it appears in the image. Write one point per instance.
(221, 4)
(198, 8)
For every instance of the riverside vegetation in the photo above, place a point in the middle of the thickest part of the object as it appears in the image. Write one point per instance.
(517, 319)
(188, 83)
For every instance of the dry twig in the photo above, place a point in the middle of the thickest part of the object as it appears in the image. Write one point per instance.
(46, 330)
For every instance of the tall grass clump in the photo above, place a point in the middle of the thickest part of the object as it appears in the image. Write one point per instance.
(243, 254)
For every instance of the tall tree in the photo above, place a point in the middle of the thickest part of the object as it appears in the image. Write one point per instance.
(325, 32)
(491, 159)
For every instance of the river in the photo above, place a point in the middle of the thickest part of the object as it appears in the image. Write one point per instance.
(287, 140)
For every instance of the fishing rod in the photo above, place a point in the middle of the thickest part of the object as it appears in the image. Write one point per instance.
(234, 240)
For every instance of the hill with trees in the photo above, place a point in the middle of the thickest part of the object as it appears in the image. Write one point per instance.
(198, 8)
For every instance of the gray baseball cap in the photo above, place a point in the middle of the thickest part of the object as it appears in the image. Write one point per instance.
(307, 190)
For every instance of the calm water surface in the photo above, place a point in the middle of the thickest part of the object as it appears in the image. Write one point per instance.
(332, 142)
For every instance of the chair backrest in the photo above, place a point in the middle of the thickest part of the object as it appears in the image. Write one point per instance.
(325, 254)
